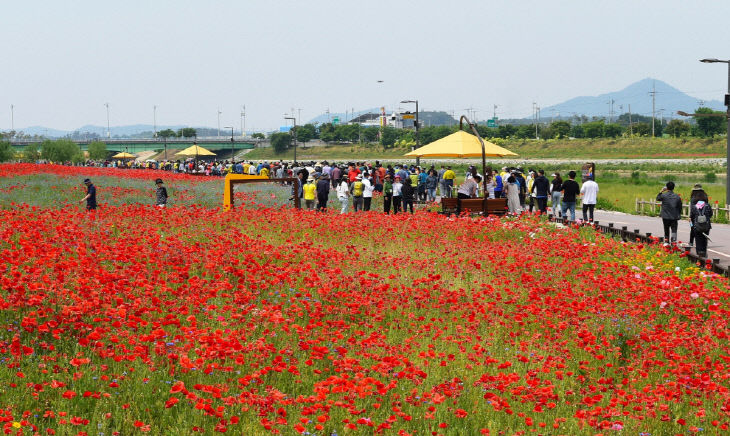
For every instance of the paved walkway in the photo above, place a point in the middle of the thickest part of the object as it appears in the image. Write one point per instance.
(718, 247)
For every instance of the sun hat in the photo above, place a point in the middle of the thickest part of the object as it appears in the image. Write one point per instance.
(310, 179)
(697, 187)
(358, 177)
(397, 177)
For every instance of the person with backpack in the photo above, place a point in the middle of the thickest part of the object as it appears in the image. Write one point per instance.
(356, 189)
(699, 218)
(698, 194)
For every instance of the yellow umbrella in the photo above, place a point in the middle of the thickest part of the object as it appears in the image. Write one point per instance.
(124, 155)
(196, 150)
(460, 144)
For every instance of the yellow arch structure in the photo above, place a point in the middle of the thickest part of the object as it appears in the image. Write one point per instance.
(233, 179)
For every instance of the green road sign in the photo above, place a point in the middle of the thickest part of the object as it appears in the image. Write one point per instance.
(492, 122)
(336, 120)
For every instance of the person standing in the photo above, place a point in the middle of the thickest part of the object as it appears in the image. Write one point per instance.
(397, 195)
(671, 211)
(698, 194)
(555, 187)
(343, 194)
(367, 192)
(356, 189)
(699, 217)
(422, 177)
(431, 184)
(540, 187)
(387, 193)
(90, 195)
(408, 193)
(310, 192)
(499, 185)
(448, 182)
(512, 193)
(589, 194)
(570, 192)
(523, 186)
(160, 194)
(323, 192)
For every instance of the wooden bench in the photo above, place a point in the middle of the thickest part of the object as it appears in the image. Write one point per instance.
(495, 206)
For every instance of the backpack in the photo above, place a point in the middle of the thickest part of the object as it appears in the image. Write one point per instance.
(357, 188)
(702, 223)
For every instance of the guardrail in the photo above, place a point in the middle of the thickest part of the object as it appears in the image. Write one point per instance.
(653, 207)
(635, 235)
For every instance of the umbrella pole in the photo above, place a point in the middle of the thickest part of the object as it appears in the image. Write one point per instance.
(484, 157)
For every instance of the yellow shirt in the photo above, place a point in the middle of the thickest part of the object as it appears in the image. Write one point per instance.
(245, 168)
(309, 190)
(449, 175)
(264, 172)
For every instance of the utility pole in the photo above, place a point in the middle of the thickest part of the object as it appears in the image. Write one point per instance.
(299, 116)
(631, 129)
(12, 117)
(328, 115)
(653, 107)
(154, 120)
(108, 128)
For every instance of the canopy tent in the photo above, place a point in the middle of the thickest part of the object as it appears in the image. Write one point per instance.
(196, 150)
(460, 144)
(124, 155)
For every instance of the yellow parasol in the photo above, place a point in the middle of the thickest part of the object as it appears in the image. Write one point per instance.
(196, 150)
(124, 155)
(460, 144)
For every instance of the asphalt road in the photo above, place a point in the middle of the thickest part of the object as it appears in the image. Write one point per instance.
(717, 248)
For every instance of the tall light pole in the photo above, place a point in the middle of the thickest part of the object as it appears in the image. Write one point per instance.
(294, 120)
(727, 103)
(12, 117)
(219, 122)
(418, 141)
(154, 120)
(243, 121)
(231, 127)
(108, 128)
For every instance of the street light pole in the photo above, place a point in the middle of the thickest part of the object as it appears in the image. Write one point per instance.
(154, 120)
(418, 140)
(12, 117)
(108, 129)
(727, 103)
(294, 120)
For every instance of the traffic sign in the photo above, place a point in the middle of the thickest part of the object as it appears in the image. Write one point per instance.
(408, 116)
(336, 120)
(492, 122)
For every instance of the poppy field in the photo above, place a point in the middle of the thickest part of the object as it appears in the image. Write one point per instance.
(268, 320)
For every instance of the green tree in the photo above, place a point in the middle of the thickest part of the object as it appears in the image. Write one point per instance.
(612, 130)
(525, 131)
(506, 131)
(305, 133)
(677, 128)
(30, 153)
(258, 135)
(370, 134)
(389, 136)
(594, 129)
(280, 142)
(61, 150)
(6, 151)
(710, 126)
(641, 129)
(187, 132)
(97, 150)
(167, 133)
(577, 131)
(560, 129)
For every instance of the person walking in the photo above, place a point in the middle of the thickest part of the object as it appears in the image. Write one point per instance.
(90, 197)
(356, 189)
(343, 194)
(698, 194)
(570, 192)
(397, 195)
(160, 194)
(310, 193)
(387, 193)
(671, 212)
(589, 194)
(512, 193)
(540, 187)
(448, 182)
(699, 217)
(555, 187)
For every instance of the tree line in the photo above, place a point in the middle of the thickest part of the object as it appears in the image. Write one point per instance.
(59, 150)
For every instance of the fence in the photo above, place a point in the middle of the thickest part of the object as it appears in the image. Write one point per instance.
(627, 235)
(653, 207)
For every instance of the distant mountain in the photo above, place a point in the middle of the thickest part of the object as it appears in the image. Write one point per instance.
(637, 95)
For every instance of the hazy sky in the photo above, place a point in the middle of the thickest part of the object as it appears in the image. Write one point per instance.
(62, 60)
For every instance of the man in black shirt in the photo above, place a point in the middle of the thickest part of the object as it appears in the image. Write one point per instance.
(90, 195)
(570, 191)
(671, 212)
(541, 186)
